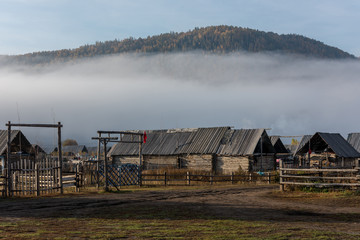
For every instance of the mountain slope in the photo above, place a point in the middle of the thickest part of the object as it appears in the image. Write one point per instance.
(217, 39)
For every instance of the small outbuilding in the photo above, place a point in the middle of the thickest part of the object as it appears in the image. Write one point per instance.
(246, 150)
(326, 150)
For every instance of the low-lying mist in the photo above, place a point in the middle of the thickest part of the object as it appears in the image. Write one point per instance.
(291, 95)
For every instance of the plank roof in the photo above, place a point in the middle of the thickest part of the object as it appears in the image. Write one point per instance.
(278, 144)
(174, 141)
(333, 142)
(15, 134)
(302, 142)
(354, 140)
(247, 142)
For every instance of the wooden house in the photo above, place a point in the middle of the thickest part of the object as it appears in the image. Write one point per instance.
(161, 150)
(200, 150)
(217, 149)
(19, 145)
(326, 150)
(246, 150)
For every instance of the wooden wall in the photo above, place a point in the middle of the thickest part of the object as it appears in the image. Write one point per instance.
(266, 164)
(156, 162)
(328, 161)
(198, 162)
(229, 164)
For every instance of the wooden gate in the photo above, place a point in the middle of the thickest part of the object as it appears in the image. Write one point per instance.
(29, 177)
(124, 175)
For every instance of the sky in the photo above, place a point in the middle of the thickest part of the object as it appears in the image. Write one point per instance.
(290, 96)
(39, 25)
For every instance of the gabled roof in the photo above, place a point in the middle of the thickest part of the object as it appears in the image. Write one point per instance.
(159, 142)
(205, 140)
(15, 134)
(333, 142)
(278, 144)
(49, 149)
(354, 140)
(303, 141)
(174, 141)
(247, 142)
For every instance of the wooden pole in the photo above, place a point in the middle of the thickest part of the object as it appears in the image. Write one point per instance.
(98, 163)
(188, 178)
(60, 160)
(165, 179)
(106, 168)
(8, 154)
(37, 180)
(281, 174)
(232, 178)
(140, 151)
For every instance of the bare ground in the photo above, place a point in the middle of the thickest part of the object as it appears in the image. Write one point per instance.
(292, 210)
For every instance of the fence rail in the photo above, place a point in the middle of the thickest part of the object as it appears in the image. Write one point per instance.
(188, 178)
(319, 178)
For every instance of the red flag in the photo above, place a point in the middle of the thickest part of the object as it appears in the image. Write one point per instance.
(145, 137)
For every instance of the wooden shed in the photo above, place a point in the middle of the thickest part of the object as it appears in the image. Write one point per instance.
(326, 150)
(161, 150)
(20, 145)
(247, 150)
(200, 150)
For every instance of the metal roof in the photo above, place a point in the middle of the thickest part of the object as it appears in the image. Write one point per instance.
(334, 142)
(14, 134)
(247, 142)
(354, 140)
(278, 144)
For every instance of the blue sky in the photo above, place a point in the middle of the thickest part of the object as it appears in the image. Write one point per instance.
(37, 25)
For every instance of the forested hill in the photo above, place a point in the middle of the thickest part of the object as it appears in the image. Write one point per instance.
(216, 39)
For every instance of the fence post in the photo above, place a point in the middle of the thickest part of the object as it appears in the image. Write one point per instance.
(281, 173)
(140, 178)
(188, 178)
(250, 177)
(269, 177)
(37, 179)
(232, 178)
(77, 178)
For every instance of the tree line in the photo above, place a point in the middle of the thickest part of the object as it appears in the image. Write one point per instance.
(214, 39)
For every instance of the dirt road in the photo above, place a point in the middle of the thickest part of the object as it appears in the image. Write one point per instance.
(254, 203)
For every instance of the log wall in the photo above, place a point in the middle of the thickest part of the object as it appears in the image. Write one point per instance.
(197, 162)
(230, 164)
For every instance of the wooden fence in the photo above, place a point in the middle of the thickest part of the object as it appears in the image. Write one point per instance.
(319, 178)
(38, 178)
(192, 179)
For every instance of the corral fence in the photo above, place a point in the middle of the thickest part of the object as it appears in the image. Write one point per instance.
(188, 178)
(41, 177)
(128, 174)
(319, 177)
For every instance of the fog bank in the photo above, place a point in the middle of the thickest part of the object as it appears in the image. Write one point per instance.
(290, 95)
